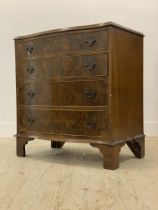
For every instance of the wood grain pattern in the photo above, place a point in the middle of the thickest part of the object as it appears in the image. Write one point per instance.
(63, 66)
(82, 83)
(57, 44)
(110, 155)
(86, 123)
(79, 93)
(79, 28)
(127, 84)
(20, 145)
(137, 147)
(62, 179)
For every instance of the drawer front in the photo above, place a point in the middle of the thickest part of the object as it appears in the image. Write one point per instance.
(67, 66)
(41, 46)
(90, 123)
(59, 44)
(89, 41)
(78, 93)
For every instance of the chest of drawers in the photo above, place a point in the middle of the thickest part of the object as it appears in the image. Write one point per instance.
(81, 84)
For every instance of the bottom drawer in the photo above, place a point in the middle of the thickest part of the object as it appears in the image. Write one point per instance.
(88, 123)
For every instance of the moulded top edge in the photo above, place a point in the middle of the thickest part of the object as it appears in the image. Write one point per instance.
(74, 28)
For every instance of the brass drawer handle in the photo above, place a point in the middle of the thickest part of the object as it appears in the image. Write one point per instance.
(91, 124)
(90, 66)
(31, 120)
(30, 70)
(90, 93)
(90, 42)
(29, 49)
(31, 94)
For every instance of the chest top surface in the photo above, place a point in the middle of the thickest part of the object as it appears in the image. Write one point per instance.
(78, 28)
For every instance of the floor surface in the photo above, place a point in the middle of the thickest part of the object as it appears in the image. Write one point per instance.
(72, 178)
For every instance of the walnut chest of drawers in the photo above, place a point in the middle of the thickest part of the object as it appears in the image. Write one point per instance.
(81, 84)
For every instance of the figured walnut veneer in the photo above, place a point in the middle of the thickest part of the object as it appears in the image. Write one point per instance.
(81, 84)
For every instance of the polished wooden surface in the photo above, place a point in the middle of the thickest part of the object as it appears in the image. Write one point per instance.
(126, 70)
(58, 44)
(84, 84)
(87, 123)
(80, 93)
(76, 28)
(77, 65)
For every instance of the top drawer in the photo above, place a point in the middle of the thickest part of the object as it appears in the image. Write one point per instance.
(62, 43)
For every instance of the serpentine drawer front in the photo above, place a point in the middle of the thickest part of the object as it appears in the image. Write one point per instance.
(78, 93)
(91, 123)
(49, 67)
(81, 84)
(53, 44)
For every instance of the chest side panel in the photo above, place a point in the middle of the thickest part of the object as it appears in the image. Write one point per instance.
(127, 84)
